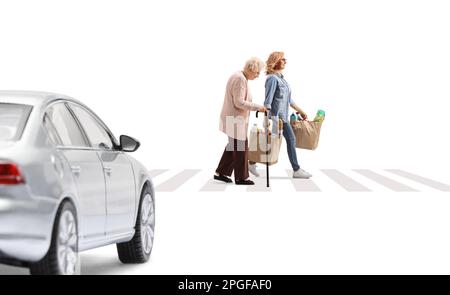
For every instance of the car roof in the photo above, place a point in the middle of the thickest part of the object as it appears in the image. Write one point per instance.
(40, 100)
(34, 98)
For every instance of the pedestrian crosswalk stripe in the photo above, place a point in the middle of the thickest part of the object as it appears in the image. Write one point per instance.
(260, 183)
(303, 185)
(346, 182)
(213, 185)
(176, 181)
(385, 181)
(420, 179)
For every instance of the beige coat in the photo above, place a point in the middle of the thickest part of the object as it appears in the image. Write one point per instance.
(236, 107)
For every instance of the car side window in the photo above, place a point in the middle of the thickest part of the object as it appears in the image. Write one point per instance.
(51, 130)
(97, 135)
(65, 126)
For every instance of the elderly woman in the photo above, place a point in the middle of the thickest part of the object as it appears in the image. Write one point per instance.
(278, 99)
(234, 123)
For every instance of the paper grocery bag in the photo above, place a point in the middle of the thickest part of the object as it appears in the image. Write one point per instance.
(307, 134)
(258, 146)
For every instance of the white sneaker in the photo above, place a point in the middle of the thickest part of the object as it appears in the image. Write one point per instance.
(310, 175)
(252, 169)
(300, 173)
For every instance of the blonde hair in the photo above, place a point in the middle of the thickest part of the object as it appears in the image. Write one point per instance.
(273, 62)
(254, 64)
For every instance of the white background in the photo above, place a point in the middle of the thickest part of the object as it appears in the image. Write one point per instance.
(157, 70)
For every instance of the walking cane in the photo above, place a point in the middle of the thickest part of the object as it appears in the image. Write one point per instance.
(266, 123)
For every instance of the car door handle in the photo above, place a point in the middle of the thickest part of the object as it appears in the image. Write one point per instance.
(76, 169)
(107, 170)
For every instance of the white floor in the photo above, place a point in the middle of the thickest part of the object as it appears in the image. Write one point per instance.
(285, 231)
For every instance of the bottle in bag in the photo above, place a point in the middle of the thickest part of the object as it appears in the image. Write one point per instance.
(254, 128)
(320, 116)
(293, 118)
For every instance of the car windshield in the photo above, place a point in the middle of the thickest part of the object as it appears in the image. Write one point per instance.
(13, 118)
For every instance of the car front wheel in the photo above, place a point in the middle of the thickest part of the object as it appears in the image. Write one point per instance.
(138, 249)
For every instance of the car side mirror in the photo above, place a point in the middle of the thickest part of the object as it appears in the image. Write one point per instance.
(128, 144)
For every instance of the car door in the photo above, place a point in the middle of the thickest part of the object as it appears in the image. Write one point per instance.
(119, 175)
(85, 166)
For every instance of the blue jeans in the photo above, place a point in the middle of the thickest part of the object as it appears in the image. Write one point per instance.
(289, 136)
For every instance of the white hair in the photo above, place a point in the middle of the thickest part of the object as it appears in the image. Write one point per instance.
(254, 64)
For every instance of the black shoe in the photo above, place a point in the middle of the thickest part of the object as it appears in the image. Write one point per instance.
(222, 178)
(244, 182)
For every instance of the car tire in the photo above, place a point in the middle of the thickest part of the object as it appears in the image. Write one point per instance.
(62, 257)
(139, 248)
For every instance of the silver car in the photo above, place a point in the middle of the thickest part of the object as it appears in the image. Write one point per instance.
(67, 185)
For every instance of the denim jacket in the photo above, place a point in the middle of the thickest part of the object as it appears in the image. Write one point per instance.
(278, 96)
